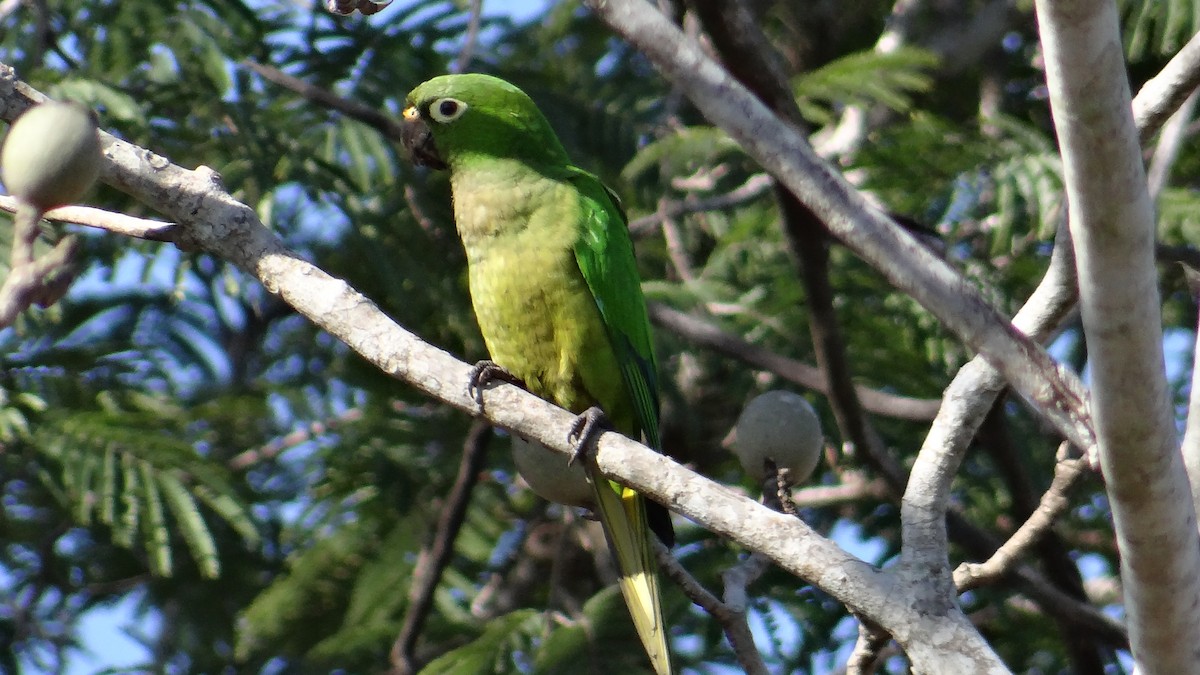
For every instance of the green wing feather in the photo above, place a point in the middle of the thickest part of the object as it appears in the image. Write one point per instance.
(604, 253)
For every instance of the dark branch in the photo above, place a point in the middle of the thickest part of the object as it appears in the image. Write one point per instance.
(432, 560)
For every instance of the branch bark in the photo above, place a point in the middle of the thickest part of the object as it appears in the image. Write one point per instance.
(1112, 225)
(433, 559)
(707, 335)
(897, 255)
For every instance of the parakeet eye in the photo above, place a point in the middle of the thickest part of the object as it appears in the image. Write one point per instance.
(447, 110)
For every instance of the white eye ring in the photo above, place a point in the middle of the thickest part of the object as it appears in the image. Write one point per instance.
(447, 109)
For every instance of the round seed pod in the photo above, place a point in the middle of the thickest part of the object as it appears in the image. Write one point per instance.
(548, 475)
(780, 426)
(51, 155)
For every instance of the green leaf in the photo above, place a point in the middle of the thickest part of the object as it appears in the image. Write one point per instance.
(117, 105)
(191, 525)
(154, 526)
(490, 653)
(865, 78)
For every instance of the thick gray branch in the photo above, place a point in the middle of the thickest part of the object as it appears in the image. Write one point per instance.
(901, 259)
(1112, 225)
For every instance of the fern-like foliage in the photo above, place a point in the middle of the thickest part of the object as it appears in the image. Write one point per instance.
(124, 471)
(1179, 215)
(1157, 27)
(866, 78)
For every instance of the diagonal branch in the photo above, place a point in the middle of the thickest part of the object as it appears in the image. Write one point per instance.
(1162, 94)
(1113, 225)
(1053, 504)
(706, 335)
(433, 559)
(327, 99)
(783, 151)
(117, 223)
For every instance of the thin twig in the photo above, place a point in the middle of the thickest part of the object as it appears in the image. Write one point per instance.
(732, 621)
(433, 559)
(1086, 653)
(756, 186)
(706, 335)
(327, 99)
(117, 223)
(472, 38)
(1052, 505)
(854, 487)
(248, 458)
(1174, 133)
(676, 249)
(1187, 255)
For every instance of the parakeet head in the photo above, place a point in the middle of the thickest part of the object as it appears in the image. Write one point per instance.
(454, 118)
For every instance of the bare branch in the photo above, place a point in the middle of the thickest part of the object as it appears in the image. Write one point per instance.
(469, 42)
(709, 336)
(433, 559)
(1174, 133)
(676, 249)
(756, 186)
(1113, 225)
(248, 458)
(1052, 505)
(854, 487)
(117, 223)
(1162, 94)
(327, 99)
(731, 618)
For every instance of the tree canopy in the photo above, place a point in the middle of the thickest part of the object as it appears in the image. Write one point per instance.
(237, 442)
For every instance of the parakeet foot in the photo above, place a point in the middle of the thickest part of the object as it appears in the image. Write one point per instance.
(484, 372)
(585, 430)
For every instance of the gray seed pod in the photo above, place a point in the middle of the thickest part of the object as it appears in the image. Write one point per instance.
(548, 475)
(51, 155)
(783, 427)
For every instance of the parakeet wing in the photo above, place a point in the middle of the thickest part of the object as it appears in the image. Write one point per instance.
(605, 256)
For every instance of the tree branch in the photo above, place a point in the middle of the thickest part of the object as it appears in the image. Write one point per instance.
(896, 254)
(1052, 505)
(117, 223)
(1174, 133)
(1162, 94)
(327, 99)
(754, 187)
(1113, 225)
(732, 618)
(706, 335)
(433, 559)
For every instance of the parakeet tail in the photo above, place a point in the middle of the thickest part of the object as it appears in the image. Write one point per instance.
(623, 514)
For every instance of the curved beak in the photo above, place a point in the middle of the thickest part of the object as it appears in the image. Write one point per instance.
(418, 140)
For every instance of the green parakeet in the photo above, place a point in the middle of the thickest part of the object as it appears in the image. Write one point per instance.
(556, 292)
